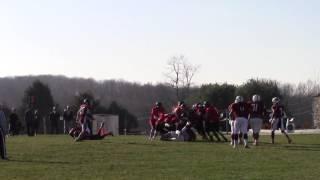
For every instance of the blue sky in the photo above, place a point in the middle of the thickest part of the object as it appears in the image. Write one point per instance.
(232, 41)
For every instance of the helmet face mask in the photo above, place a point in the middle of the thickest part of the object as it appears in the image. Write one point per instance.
(238, 99)
(206, 104)
(181, 103)
(158, 104)
(275, 100)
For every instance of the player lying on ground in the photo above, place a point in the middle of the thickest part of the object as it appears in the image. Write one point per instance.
(102, 133)
(185, 134)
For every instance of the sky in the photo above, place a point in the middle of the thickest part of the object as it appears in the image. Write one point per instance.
(231, 40)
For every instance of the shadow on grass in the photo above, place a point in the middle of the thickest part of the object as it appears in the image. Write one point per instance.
(141, 144)
(39, 161)
(302, 147)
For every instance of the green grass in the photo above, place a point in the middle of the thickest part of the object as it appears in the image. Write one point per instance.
(134, 157)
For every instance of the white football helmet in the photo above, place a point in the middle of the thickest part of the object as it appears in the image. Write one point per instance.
(256, 98)
(275, 100)
(238, 99)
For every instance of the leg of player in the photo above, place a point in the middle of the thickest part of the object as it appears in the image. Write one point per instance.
(283, 131)
(231, 122)
(274, 126)
(151, 133)
(83, 132)
(240, 138)
(215, 130)
(287, 136)
(237, 131)
(244, 130)
(256, 124)
(207, 129)
(272, 136)
(3, 151)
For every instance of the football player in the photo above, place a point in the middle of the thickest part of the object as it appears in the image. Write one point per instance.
(84, 117)
(212, 122)
(255, 117)
(240, 110)
(156, 114)
(277, 119)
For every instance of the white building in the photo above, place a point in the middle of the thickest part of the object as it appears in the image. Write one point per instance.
(111, 123)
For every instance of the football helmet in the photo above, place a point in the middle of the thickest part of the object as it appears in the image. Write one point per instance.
(256, 98)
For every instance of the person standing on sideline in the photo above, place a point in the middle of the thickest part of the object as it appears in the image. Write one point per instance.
(67, 119)
(3, 133)
(36, 121)
(54, 119)
(13, 123)
(28, 117)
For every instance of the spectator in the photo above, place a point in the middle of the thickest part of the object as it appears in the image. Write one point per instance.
(36, 121)
(3, 132)
(68, 119)
(28, 117)
(54, 119)
(14, 124)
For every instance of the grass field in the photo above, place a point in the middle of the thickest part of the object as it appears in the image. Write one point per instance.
(134, 157)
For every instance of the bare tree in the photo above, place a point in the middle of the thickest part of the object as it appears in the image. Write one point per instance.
(180, 74)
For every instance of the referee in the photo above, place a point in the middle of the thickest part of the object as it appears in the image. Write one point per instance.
(3, 132)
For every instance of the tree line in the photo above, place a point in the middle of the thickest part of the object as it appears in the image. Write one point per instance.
(134, 100)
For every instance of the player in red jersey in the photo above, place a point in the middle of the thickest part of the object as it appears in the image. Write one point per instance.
(257, 112)
(181, 110)
(277, 119)
(182, 114)
(212, 122)
(156, 114)
(196, 117)
(84, 117)
(240, 110)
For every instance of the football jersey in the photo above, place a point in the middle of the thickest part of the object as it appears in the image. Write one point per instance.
(83, 112)
(277, 110)
(241, 109)
(257, 110)
(157, 112)
(211, 114)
